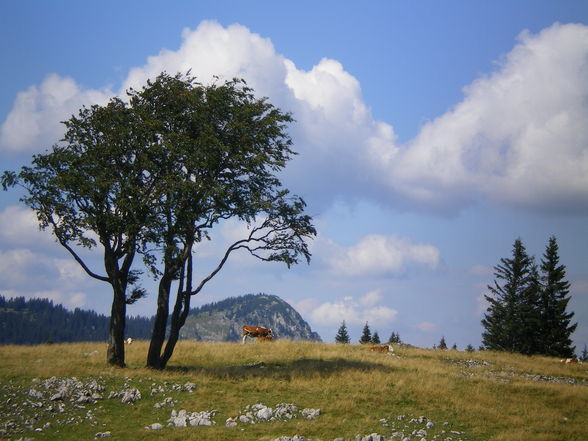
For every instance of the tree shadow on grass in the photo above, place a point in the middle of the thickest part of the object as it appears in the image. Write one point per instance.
(301, 368)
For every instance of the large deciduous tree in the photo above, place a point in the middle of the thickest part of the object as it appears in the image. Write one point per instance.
(217, 149)
(91, 190)
(152, 176)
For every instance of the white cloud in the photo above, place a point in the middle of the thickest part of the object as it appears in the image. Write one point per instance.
(69, 300)
(304, 306)
(353, 312)
(22, 268)
(427, 326)
(34, 123)
(212, 50)
(377, 255)
(371, 298)
(518, 137)
(19, 227)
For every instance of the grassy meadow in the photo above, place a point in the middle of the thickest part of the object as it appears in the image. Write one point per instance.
(476, 395)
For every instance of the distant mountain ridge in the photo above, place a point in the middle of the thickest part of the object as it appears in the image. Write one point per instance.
(222, 321)
(36, 321)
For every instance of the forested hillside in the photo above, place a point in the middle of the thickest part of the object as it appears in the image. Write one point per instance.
(37, 321)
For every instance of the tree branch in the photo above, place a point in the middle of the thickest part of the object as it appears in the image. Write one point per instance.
(75, 255)
(204, 281)
(82, 264)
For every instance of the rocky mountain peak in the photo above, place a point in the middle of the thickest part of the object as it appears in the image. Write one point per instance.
(222, 321)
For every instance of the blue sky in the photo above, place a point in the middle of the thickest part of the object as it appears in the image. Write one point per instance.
(431, 135)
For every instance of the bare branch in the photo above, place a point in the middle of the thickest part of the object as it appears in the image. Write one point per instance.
(75, 255)
(82, 264)
(204, 281)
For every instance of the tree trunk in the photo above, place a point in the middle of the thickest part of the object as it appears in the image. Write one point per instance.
(116, 347)
(178, 319)
(158, 335)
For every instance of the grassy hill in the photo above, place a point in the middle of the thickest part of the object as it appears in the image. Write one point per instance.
(449, 394)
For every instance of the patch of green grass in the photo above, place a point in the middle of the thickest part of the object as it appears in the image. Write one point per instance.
(482, 395)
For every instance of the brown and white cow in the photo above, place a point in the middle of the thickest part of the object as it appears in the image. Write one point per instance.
(256, 332)
(382, 348)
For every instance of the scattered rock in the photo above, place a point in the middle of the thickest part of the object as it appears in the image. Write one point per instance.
(189, 387)
(130, 395)
(168, 401)
(311, 414)
(264, 413)
(260, 413)
(294, 438)
(185, 419)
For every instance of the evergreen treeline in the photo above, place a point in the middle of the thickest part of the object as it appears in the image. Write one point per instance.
(36, 321)
(366, 336)
(527, 310)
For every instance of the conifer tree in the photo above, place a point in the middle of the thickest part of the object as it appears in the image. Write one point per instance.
(366, 336)
(530, 315)
(394, 338)
(555, 329)
(442, 344)
(376, 338)
(342, 335)
(511, 312)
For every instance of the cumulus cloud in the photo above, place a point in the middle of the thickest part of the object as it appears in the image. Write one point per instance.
(212, 51)
(377, 255)
(19, 227)
(353, 312)
(34, 123)
(25, 269)
(518, 137)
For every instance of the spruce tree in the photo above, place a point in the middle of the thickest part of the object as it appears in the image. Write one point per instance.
(376, 338)
(394, 338)
(366, 336)
(529, 313)
(342, 335)
(512, 309)
(442, 344)
(555, 321)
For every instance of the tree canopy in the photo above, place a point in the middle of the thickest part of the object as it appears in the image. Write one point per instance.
(152, 175)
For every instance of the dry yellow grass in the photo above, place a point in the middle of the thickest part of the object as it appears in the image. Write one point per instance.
(485, 395)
